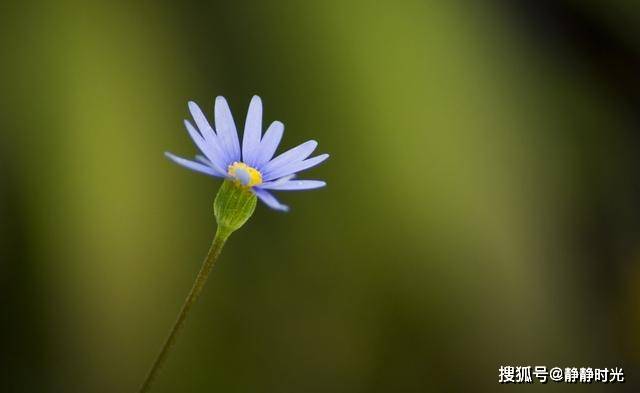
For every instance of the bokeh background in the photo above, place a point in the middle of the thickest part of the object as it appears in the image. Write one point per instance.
(482, 208)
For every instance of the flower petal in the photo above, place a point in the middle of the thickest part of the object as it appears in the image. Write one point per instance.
(291, 156)
(210, 148)
(281, 180)
(269, 144)
(198, 116)
(252, 131)
(270, 200)
(295, 167)
(203, 159)
(205, 129)
(227, 134)
(292, 185)
(195, 166)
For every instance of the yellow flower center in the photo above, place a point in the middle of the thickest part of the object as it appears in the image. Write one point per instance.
(244, 174)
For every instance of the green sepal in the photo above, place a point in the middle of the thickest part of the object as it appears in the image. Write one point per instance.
(233, 206)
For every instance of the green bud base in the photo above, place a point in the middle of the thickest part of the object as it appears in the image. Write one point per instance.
(233, 206)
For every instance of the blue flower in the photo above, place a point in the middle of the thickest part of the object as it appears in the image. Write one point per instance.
(253, 166)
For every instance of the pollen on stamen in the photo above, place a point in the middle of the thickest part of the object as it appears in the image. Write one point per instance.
(245, 174)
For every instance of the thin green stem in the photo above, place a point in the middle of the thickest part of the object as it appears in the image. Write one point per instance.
(214, 251)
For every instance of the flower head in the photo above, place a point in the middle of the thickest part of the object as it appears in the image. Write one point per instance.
(252, 167)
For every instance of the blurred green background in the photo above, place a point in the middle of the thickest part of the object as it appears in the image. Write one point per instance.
(482, 208)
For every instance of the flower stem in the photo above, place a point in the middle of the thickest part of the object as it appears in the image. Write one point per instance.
(214, 251)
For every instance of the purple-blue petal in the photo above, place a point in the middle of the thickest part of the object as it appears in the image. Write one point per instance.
(270, 200)
(208, 133)
(295, 167)
(252, 131)
(198, 116)
(209, 148)
(269, 144)
(202, 159)
(280, 180)
(195, 166)
(292, 185)
(226, 128)
(291, 156)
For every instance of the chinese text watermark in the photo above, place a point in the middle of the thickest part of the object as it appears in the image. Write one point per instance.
(540, 374)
